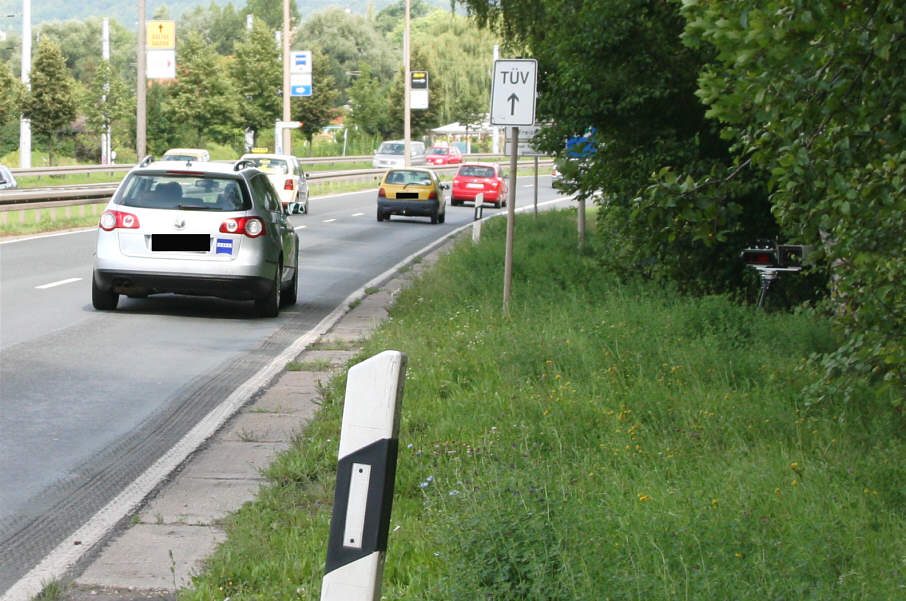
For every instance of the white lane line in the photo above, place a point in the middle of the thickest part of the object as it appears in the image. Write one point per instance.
(328, 221)
(357, 214)
(300, 227)
(60, 283)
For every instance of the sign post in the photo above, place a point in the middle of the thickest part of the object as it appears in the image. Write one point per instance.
(300, 73)
(513, 91)
(365, 478)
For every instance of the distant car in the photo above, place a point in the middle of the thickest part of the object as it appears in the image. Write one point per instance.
(443, 155)
(391, 154)
(211, 229)
(472, 179)
(555, 176)
(186, 154)
(7, 181)
(412, 191)
(285, 172)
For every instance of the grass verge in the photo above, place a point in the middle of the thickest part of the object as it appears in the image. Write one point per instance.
(604, 441)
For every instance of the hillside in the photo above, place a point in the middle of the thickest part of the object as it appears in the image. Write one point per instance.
(126, 13)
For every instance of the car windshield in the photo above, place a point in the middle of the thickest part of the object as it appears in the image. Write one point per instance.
(191, 192)
(412, 178)
(476, 171)
(271, 165)
(391, 148)
(439, 151)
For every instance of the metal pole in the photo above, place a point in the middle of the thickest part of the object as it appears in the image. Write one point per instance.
(105, 55)
(495, 142)
(407, 109)
(536, 186)
(25, 124)
(510, 224)
(141, 88)
(581, 222)
(287, 149)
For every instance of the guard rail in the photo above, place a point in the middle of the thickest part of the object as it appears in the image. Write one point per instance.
(73, 195)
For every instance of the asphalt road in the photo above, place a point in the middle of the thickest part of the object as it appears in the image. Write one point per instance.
(89, 399)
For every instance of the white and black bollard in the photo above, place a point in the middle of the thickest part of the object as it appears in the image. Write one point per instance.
(479, 205)
(365, 477)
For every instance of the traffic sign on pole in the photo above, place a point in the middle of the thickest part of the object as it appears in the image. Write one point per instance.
(513, 91)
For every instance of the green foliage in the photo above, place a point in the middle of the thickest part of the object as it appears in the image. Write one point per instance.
(11, 93)
(347, 41)
(50, 104)
(271, 11)
(108, 104)
(202, 99)
(223, 26)
(316, 111)
(258, 74)
(368, 100)
(608, 440)
(813, 95)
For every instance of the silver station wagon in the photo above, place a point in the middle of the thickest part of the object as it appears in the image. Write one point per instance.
(196, 228)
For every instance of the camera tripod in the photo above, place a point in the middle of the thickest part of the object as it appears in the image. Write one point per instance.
(768, 275)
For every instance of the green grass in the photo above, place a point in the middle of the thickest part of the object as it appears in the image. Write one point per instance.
(605, 441)
(35, 221)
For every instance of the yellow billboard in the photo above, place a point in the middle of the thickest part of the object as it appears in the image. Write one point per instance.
(161, 34)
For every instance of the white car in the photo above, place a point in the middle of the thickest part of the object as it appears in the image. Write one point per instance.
(204, 229)
(286, 174)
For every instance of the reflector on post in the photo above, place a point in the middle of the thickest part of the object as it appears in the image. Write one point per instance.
(365, 477)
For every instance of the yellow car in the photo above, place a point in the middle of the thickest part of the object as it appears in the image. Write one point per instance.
(412, 191)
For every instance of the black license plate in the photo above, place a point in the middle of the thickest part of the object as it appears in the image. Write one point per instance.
(407, 195)
(181, 242)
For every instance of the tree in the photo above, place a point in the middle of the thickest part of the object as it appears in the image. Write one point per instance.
(813, 95)
(271, 12)
(368, 100)
(258, 73)
(203, 98)
(50, 105)
(317, 110)
(222, 26)
(347, 40)
(80, 42)
(11, 93)
(108, 105)
(460, 58)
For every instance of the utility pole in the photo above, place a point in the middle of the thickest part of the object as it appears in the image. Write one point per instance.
(141, 88)
(25, 124)
(287, 138)
(105, 54)
(407, 110)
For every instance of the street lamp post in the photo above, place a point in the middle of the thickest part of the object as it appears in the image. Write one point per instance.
(25, 124)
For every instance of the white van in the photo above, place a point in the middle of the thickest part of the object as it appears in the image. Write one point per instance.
(390, 154)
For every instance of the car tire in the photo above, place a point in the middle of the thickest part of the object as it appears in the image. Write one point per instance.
(455, 202)
(442, 217)
(269, 305)
(380, 215)
(434, 217)
(291, 294)
(103, 300)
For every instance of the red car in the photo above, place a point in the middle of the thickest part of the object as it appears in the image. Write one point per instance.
(479, 178)
(443, 155)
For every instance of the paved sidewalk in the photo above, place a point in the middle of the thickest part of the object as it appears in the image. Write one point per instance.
(177, 528)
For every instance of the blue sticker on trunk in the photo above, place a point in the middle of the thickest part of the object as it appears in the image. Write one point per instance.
(224, 246)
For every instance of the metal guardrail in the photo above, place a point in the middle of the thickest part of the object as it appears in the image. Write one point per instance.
(62, 196)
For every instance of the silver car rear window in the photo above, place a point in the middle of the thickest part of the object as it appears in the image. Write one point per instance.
(191, 192)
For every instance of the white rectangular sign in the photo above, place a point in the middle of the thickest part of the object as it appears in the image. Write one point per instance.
(300, 61)
(513, 91)
(160, 64)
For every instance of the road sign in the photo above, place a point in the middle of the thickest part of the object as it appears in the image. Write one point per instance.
(513, 91)
(419, 80)
(300, 61)
(161, 34)
(160, 64)
(300, 84)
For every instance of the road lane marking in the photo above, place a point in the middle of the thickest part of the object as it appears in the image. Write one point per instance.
(300, 227)
(328, 221)
(59, 283)
(357, 214)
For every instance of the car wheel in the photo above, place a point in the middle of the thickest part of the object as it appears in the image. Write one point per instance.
(269, 305)
(442, 217)
(380, 214)
(434, 217)
(454, 202)
(290, 295)
(103, 300)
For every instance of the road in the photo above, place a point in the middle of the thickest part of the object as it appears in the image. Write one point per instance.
(89, 399)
